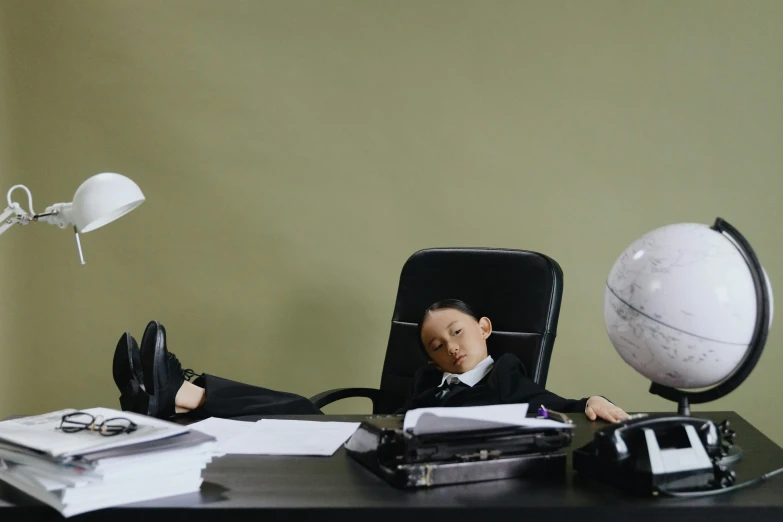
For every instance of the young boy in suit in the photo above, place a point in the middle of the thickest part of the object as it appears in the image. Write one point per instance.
(461, 373)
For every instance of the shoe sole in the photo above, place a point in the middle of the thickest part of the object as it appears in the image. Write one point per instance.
(127, 360)
(125, 370)
(157, 361)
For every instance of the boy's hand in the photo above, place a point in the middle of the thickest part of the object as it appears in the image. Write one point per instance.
(598, 407)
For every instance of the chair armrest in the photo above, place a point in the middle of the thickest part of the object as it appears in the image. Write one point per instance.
(330, 396)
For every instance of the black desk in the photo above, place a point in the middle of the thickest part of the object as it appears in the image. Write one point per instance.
(311, 488)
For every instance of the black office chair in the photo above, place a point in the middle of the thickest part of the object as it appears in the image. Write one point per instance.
(519, 290)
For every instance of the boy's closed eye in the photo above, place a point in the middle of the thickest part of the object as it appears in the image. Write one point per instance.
(456, 332)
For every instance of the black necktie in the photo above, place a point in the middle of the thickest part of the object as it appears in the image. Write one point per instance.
(446, 389)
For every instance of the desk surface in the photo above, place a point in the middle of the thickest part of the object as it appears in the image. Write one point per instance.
(302, 488)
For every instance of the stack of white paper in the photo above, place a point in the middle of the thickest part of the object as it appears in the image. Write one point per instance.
(79, 472)
(424, 421)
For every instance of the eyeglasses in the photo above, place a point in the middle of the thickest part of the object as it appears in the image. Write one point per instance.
(79, 421)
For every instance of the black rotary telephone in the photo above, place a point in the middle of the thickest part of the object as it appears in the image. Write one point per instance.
(662, 453)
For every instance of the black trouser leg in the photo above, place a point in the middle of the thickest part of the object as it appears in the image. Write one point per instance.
(226, 399)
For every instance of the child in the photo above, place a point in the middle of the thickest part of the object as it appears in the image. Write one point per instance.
(461, 373)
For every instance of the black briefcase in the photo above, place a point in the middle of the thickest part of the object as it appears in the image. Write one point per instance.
(406, 460)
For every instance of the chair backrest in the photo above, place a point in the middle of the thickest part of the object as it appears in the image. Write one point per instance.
(520, 291)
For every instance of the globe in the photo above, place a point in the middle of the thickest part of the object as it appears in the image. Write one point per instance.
(680, 306)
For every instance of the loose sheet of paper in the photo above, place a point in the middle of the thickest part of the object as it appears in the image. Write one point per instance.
(445, 420)
(290, 437)
(222, 429)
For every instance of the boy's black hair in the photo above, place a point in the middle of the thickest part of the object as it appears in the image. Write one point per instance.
(445, 304)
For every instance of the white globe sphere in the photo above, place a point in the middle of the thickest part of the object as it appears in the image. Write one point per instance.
(680, 306)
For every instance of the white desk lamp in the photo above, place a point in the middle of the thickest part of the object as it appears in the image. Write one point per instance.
(98, 201)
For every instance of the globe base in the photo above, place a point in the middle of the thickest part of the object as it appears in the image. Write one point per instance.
(682, 398)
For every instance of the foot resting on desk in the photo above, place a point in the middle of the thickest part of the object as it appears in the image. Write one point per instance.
(152, 382)
(151, 379)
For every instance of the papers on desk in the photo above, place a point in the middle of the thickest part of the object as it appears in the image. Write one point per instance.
(222, 430)
(41, 433)
(424, 421)
(79, 472)
(277, 437)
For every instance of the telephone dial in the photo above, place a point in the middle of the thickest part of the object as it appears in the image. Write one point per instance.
(661, 453)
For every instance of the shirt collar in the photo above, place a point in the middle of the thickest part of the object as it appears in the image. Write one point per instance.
(474, 376)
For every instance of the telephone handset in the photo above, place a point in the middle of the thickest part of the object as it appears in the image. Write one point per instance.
(619, 438)
(661, 452)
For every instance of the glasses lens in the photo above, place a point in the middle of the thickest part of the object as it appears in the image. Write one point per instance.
(76, 421)
(117, 425)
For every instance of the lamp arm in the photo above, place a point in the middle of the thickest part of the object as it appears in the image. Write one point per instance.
(29, 197)
(59, 214)
(5, 216)
(7, 219)
(7, 213)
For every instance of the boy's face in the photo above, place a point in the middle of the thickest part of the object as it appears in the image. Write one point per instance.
(455, 342)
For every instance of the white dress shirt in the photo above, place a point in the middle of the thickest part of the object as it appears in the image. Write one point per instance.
(472, 377)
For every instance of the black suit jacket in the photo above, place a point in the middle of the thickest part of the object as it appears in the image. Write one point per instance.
(506, 383)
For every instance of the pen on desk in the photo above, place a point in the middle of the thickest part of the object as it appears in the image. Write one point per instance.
(544, 413)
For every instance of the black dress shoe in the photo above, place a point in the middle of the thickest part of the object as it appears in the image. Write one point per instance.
(128, 376)
(163, 373)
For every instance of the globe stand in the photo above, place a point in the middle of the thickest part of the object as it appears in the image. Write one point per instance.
(684, 398)
(683, 405)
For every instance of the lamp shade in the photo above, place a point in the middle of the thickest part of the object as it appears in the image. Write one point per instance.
(103, 198)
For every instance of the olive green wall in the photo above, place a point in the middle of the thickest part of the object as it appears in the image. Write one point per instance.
(295, 153)
(8, 355)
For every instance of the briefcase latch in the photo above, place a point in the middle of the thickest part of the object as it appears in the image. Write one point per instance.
(480, 455)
